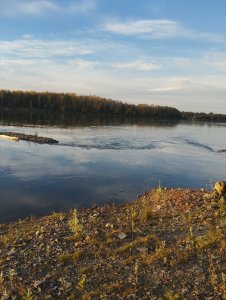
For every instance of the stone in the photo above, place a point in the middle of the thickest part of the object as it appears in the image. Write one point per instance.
(142, 249)
(122, 236)
(11, 252)
(109, 225)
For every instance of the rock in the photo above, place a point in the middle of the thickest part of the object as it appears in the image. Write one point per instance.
(222, 151)
(122, 236)
(11, 252)
(37, 283)
(37, 233)
(109, 225)
(142, 249)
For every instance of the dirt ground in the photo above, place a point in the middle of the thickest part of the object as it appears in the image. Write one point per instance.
(167, 244)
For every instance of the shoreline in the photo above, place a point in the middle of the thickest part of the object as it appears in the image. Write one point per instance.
(169, 242)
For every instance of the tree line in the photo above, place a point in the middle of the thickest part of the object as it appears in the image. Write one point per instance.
(70, 102)
(208, 117)
(73, 103)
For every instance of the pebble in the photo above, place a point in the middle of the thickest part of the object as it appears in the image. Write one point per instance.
(122, 236)
(12, 251)
(109, 225)
(142, 249)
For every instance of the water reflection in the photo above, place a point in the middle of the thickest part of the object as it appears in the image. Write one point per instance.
(35, 118)
(109, 162)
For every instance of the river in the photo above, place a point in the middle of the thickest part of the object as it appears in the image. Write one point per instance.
(102, 161)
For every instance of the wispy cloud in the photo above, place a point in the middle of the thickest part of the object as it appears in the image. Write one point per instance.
(171, 84)
(37, 48)
(139, 65)
(18, 8)
(216, 60)
(84, 77)
(12, 8)
(82, 6)
(83, 64)
(158, 29)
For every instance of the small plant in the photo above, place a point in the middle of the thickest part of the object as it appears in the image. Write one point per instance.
(222, 205)
(58, 215)
(47, 249)
(211, 184)
(70, 257)
(1, 278)
(1, 282)
(145, 210)
(159, 188)
(134, 215)
(29, 295)
(136, 271)
(82, 281)
(74, 224)
(11, 277)
(213, 273)
(169, 295)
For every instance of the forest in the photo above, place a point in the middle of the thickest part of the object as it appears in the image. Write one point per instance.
(201, 116)
(70, 102)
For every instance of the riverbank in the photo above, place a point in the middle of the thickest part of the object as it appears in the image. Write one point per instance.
(167, 244)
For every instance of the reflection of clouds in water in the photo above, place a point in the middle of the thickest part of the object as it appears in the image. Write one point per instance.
(37, 161)
(32, 161)
(103, 164)
(20, 199)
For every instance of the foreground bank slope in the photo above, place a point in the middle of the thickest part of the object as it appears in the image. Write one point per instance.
(167, 244)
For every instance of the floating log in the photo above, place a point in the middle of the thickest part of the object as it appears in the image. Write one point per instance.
(7, 137)
(15, 136)
(222, 151)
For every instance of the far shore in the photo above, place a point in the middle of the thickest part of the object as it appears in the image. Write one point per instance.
(51, 102)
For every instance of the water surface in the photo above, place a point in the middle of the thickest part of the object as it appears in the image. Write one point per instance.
(102, 161)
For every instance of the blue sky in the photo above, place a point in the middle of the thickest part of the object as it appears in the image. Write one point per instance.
(165, 52)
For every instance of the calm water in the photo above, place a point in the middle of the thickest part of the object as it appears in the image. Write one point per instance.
(100, 162)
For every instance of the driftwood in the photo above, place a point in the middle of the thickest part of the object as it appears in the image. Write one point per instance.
(11, 138)
(15, 136)
(222, 151)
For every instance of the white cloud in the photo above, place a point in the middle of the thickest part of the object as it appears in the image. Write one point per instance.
(158, 29)
(36, 7)
(139, 65)
(17, 8)
(13, 8)
(17, 62)
(31, 48)
(83, 64)
(82, 7)
(164, 84)
(216, 60)
(186, 93)
(85, 67)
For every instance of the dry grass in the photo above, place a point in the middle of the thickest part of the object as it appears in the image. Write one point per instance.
(173, 249)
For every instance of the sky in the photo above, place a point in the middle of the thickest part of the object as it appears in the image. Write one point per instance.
(162, 52)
